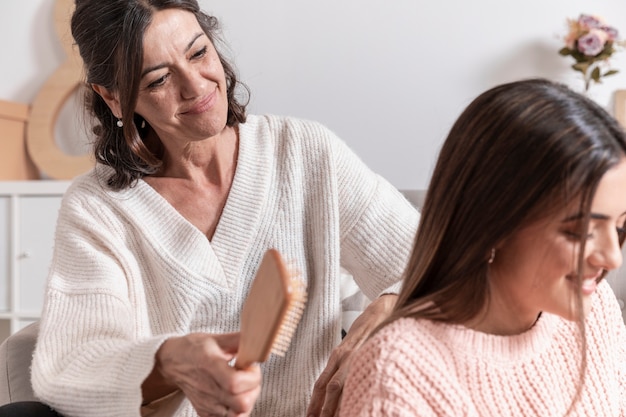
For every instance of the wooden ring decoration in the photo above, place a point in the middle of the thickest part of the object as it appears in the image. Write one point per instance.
(45, 109)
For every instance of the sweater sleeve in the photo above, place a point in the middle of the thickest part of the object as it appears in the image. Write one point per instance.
(378, 225)
(90, 358)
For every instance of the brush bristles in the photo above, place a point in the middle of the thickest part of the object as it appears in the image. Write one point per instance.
(292, 318)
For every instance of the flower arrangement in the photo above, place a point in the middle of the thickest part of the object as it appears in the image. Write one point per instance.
(591, 42)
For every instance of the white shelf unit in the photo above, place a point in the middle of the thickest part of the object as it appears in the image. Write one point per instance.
(28, 213)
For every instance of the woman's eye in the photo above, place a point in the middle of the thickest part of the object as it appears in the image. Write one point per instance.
(158, 82)
(200, 53)
(575, 235)
(621, 233)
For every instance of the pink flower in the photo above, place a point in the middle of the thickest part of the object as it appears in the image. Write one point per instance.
(611, 32)
(592, 43)
(587, 21)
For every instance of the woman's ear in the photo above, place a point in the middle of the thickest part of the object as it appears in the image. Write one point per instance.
(111, 99)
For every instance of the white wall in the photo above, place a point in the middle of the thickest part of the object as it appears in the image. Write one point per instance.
(388, 76)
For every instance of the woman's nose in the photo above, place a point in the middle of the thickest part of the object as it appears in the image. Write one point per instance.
(607, 252)
(192, 84)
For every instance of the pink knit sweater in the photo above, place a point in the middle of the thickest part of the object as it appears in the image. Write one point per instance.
(423, 368)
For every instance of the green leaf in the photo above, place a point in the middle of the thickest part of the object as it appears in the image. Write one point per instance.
(581, 66)
(578, 56)
(610, 72)
(595, 74)
(565, 51)
(608, 48)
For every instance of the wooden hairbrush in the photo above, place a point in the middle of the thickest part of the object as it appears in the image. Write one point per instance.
(271, 311)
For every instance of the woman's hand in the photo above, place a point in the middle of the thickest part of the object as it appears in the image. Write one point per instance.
(197, 364)
(329, 386)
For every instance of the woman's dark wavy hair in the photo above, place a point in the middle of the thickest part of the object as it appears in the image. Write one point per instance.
(519, 152)
(109, 35)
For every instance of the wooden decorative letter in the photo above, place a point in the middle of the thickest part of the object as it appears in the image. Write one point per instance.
(48, 103)
(14, 161)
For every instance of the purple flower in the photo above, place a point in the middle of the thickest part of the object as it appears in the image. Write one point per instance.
(588, 21)
(592, 43)
(611, 32)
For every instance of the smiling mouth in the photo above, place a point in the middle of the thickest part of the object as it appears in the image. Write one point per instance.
(201, 106)
(589, 284)
(597, 277)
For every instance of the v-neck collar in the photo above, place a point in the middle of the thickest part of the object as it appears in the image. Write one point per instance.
(220, 259)
(238, 227)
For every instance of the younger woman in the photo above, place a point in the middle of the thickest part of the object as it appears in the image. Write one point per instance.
(504, 311)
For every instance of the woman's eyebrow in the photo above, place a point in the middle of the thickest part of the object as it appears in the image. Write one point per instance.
(163, 65)
(578, 216)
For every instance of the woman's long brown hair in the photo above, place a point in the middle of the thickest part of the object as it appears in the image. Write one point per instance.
(519, 152)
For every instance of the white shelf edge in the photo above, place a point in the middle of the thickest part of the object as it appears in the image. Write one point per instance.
(34, 187)
(29, 315)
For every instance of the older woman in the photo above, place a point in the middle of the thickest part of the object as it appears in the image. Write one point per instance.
(156, 247)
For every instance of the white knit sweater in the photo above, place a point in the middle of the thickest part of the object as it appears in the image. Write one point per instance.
(129, 271)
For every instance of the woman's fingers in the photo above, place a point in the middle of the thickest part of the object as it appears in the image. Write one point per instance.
(198, 365)
(328, 388)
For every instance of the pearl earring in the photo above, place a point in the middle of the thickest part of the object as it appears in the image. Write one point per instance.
(493, 256)
(120, 123)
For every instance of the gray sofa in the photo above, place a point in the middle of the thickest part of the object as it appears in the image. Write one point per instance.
(16, 353)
